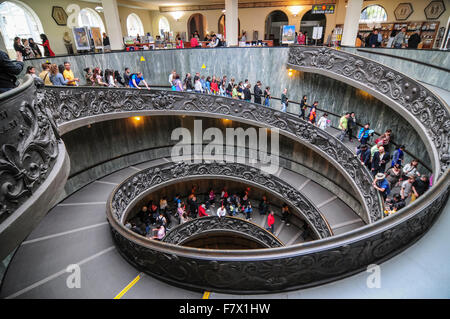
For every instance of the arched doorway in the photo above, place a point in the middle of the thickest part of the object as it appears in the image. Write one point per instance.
(134, 25)
(197, 22)
(90, 18)
(163, 26)
(309, 21)
(274, 21)
(18, 20)
(221, 27)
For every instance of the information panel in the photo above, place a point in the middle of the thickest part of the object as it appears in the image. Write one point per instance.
(323, 8)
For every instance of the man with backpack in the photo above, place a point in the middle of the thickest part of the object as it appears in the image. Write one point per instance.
(365, 133)
(137, 78)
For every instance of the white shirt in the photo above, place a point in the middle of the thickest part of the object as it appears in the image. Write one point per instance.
(221, 212)
(409, 170)
(198, 86)
(214, 44)
(322, 123)
(111, 81)
(170, 79)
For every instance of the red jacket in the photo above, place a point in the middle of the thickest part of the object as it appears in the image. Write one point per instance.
(202, 212)
(194, 42)
(301, 39)
(270, 220)
(214, 87)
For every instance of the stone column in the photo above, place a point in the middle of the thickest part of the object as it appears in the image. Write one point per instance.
(351, 23)
(231, 22)
(113, 28)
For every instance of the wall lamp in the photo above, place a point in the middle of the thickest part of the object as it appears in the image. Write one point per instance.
(295, 10)
(177, 15)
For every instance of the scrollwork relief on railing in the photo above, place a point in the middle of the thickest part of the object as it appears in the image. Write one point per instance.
(197, 226)
(143, 181)
(279, 272)
(29, 147)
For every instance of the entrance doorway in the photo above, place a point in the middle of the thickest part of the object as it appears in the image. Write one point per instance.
(274, 21)
(222, 27)
(309, 21)
(197, 22)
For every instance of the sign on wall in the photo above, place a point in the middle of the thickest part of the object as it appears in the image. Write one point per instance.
(59, 15)
(434, 10)
(323, 8)
(403, 11)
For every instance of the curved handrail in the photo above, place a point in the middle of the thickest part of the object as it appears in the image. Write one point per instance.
(298, 266)
(28, 81)
(29, 146)
(76, 107)
(421, 107)
(134, 188)
(33, 164)
(179, 234)
(441, 68)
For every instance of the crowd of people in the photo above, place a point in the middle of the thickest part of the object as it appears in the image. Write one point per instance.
(397, 39)
(62, 74)
(29, 49)
(154, 220)
(213, 40)
(399, 183)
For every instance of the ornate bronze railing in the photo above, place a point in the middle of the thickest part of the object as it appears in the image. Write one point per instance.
(134, 188)
(75, 107)
(213, 224)
(30, 151)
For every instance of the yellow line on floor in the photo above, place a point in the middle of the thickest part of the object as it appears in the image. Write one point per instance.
(206, 295)
(131, 284)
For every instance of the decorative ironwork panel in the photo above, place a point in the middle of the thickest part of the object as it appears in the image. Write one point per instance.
(143, 181)
(285, 270)
(29, 148)
(197, 226)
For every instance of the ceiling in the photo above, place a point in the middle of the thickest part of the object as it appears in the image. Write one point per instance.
(156, 4)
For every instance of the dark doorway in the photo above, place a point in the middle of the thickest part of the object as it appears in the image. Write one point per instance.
(309, 21)
(197, 22)
(222, 27)
(274, 21)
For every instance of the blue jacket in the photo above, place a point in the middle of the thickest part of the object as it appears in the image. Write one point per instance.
(397, 157)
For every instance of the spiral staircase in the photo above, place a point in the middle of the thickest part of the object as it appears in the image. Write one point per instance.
(345, 240)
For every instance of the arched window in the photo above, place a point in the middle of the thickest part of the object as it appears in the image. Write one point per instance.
(18, 20)
(373, 13)
(164, 25)
(89, 18)
(134, 25)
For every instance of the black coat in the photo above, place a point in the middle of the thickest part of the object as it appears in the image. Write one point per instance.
(377, 161)
(247, 94)
(258, 93)
(414, 41)
(9, 71)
